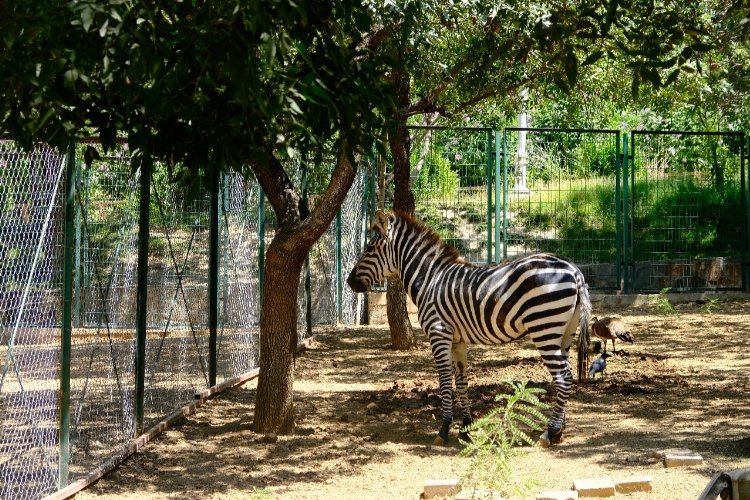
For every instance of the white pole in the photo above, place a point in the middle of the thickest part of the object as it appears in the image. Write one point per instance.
(521, 161)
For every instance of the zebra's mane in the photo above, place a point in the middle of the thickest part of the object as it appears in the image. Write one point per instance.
(445, 252)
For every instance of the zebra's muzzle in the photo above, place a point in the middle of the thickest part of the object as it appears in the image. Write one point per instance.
(355, 284)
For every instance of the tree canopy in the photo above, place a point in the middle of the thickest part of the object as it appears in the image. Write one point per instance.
(220, 83)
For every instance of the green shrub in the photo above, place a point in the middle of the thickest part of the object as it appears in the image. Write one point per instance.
(436, 179)
(662, 304)
(495, 436)
(593, 159)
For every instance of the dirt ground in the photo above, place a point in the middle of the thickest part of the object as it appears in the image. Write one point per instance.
(366, 417)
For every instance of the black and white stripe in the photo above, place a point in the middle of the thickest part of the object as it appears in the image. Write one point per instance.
(541, 295)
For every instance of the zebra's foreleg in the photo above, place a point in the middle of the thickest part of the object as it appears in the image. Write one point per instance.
(563, 380)
(441, 351)
(460, 361)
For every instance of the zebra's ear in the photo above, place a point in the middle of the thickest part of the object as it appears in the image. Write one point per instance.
(381, 222)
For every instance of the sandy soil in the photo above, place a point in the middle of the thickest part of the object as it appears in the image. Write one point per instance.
(366, 418)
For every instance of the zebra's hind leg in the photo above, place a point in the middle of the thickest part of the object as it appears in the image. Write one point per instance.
(460, 361)
(563, 383)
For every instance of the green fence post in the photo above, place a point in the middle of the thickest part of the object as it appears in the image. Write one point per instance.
(261, 246)
(339, 287)
(618, 216)
(373, 192)
(213, 277)
(498, 150)
(142, 291)
(67, 328)
(625, 213)
(505, 194)
(489, 197)
(77, 266)
(308, 283)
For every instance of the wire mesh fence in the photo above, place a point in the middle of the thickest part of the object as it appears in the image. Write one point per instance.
(674, 222)
(104, 303)
(239, 312)
(686, 200)
(102, 354)
(558, 193)
(30, 302)
(452, 179)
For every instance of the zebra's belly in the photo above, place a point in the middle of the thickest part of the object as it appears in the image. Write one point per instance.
(484, 336)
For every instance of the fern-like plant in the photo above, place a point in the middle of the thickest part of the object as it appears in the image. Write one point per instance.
(662, 304)
(711, 305)
(495, 436)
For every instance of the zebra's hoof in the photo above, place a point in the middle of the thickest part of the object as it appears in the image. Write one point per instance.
(464, 436)
(544, 440)
(548, 439)
(443, 433)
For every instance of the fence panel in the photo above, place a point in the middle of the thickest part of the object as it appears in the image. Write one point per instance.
(452, 183)
(335, 253)
(177, 341)
(239, 309)
(103, 338)
(558, 193)
(31, 235)
(686, 198)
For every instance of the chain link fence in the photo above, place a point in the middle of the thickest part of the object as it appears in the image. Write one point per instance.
(30, 311)
(103, 402)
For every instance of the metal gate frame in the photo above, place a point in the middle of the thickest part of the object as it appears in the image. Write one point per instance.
(628, 188)
(501, 191)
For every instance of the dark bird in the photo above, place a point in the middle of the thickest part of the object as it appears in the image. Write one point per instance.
(599, 365)
(611, 329)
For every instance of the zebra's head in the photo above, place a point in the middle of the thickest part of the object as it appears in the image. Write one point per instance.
(377, 262)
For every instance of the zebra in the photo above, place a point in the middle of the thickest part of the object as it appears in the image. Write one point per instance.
(459, 303)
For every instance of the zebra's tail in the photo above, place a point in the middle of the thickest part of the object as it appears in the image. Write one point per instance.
(583, 339)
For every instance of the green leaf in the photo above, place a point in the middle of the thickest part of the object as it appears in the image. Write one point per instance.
(87, 17)
(672, 77)
(652, 76)
(593, 57)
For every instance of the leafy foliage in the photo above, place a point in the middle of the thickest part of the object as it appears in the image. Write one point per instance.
(662, 304)
(711, 305)
(495, 436)
(206, 84)
(437, 180)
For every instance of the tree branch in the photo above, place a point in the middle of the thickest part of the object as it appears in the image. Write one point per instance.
(278, 188)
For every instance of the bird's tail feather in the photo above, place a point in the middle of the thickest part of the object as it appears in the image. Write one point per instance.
(583, 339)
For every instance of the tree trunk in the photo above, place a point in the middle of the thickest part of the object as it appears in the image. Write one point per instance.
(274, 410)
(296, 234)
(402, 334)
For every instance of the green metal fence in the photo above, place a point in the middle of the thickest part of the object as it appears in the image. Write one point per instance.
(557, 190)
(88, 358)
(641, 212)
(686, 206)
(84, 367)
